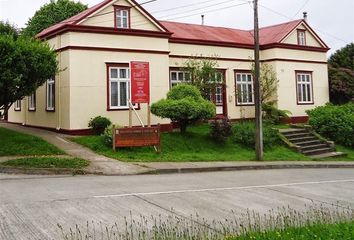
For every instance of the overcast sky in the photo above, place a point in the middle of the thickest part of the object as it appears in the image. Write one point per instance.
(333, 20)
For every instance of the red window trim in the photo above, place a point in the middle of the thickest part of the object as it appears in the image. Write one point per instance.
(120, 7)
(297, 96)
(298, 31)
(114, 64)
(242, 104)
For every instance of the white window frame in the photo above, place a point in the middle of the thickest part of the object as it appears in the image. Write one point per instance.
(304, 88)
(181, 77)
(119, 80)
(244, 87)
(301, 37)
(17, 105)
(32, 102)
(50, 94)
(121, 15)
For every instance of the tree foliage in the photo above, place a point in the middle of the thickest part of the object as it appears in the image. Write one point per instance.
(341, 75)
(24, 66)
(185, 105)
(203, 74)
(52, 13)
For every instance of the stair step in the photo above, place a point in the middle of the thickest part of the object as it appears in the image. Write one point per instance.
(298, 135)
(314, 146)
(302, 139)
(329, 154)
(308, 143)
(286, 133)
(318, 151)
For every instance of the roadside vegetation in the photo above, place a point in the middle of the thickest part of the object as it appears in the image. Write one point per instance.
(13, 143)
(314, 223)
(47, 162)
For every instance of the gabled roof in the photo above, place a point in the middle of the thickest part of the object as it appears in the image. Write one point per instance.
(74, 20)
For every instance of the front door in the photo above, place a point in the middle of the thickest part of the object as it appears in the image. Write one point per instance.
(218, 97)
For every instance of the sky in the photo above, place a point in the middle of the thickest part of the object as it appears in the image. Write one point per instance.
(333, 20)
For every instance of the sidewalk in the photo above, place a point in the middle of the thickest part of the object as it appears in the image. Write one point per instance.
(98, 164)
(106, 166)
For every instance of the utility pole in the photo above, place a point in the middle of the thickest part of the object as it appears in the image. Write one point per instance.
(257, 88)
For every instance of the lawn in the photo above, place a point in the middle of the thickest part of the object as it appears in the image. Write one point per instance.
(16, 144)
(195, 145)
(340, 231)
(47, 162)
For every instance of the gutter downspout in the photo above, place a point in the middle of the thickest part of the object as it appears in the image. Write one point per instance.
(58, 83)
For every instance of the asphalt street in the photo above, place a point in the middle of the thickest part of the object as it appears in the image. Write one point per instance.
(32, 206)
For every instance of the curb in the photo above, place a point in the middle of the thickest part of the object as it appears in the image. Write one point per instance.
(244, 168)
(42, 171)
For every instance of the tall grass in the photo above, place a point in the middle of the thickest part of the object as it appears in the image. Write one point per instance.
(195, 227)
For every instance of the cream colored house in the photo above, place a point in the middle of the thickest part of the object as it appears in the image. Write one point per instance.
(95, 49)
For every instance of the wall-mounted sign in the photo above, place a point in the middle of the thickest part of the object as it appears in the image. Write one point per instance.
(140, 80)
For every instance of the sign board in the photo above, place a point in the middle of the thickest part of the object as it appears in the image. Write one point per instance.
(137, 137)
(140, 80)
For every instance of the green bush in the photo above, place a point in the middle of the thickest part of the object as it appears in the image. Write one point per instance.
(185, 105)
(221, 129)
(244, 133)
(334, 122)
(272, 114)
(99, 124)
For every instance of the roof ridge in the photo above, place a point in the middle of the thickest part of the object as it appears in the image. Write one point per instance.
(279, 24)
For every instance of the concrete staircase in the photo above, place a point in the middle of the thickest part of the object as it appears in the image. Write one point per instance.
(309, 143)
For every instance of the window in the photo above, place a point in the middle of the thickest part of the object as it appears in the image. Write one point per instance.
(50, 95)
(304, 88)
(244, 89)
(17, 106)
(177, 77)
(122, 17)
(301, 37)
(119, 87)
(32, 102)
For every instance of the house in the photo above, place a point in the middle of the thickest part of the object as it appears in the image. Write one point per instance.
(96, 47)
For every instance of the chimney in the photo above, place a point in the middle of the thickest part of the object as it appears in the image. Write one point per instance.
(202, 19)
(305, 16)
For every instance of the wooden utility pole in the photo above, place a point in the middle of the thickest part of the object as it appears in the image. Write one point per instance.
(257, 88)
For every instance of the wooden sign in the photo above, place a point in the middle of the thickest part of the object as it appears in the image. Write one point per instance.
(140, 80)
(137, 137)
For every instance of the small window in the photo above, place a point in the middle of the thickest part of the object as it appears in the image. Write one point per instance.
(122, 17)
(32, 102)
(304, 88)
(177, 77)
(301, 37)
(244, 89)
(17, 106)
(50, 95)
(119, 87)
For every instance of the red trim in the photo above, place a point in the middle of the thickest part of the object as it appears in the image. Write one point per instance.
(104, 30)
(216, 58)
(293, 60)
(92, 10)
(295, 119)
(242, 104)
(210, 43)
(293, 46)
(120, 7)
(298, 31)
(106, 49)
(297, 95)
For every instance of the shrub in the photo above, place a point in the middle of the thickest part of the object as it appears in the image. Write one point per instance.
(244, 133)
(99, 124)
(334, 122)
(272, 114)
(185, 105)
(221, 129)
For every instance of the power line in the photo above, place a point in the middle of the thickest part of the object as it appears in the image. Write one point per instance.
(303, 5)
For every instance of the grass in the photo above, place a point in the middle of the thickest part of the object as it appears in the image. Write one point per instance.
(47, 162)
(195, 145)
(340, 231)
(13, 143)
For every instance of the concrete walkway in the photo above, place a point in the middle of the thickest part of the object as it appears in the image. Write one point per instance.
(99, 164)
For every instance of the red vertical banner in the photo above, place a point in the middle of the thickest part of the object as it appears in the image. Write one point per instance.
(140, 82)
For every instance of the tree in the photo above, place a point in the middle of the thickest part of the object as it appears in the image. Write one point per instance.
(25, 64)
(185, 105)
(50, 14)
(341, 75)
(203, 74)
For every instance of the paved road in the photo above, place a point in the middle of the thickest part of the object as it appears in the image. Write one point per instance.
(32, 206)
